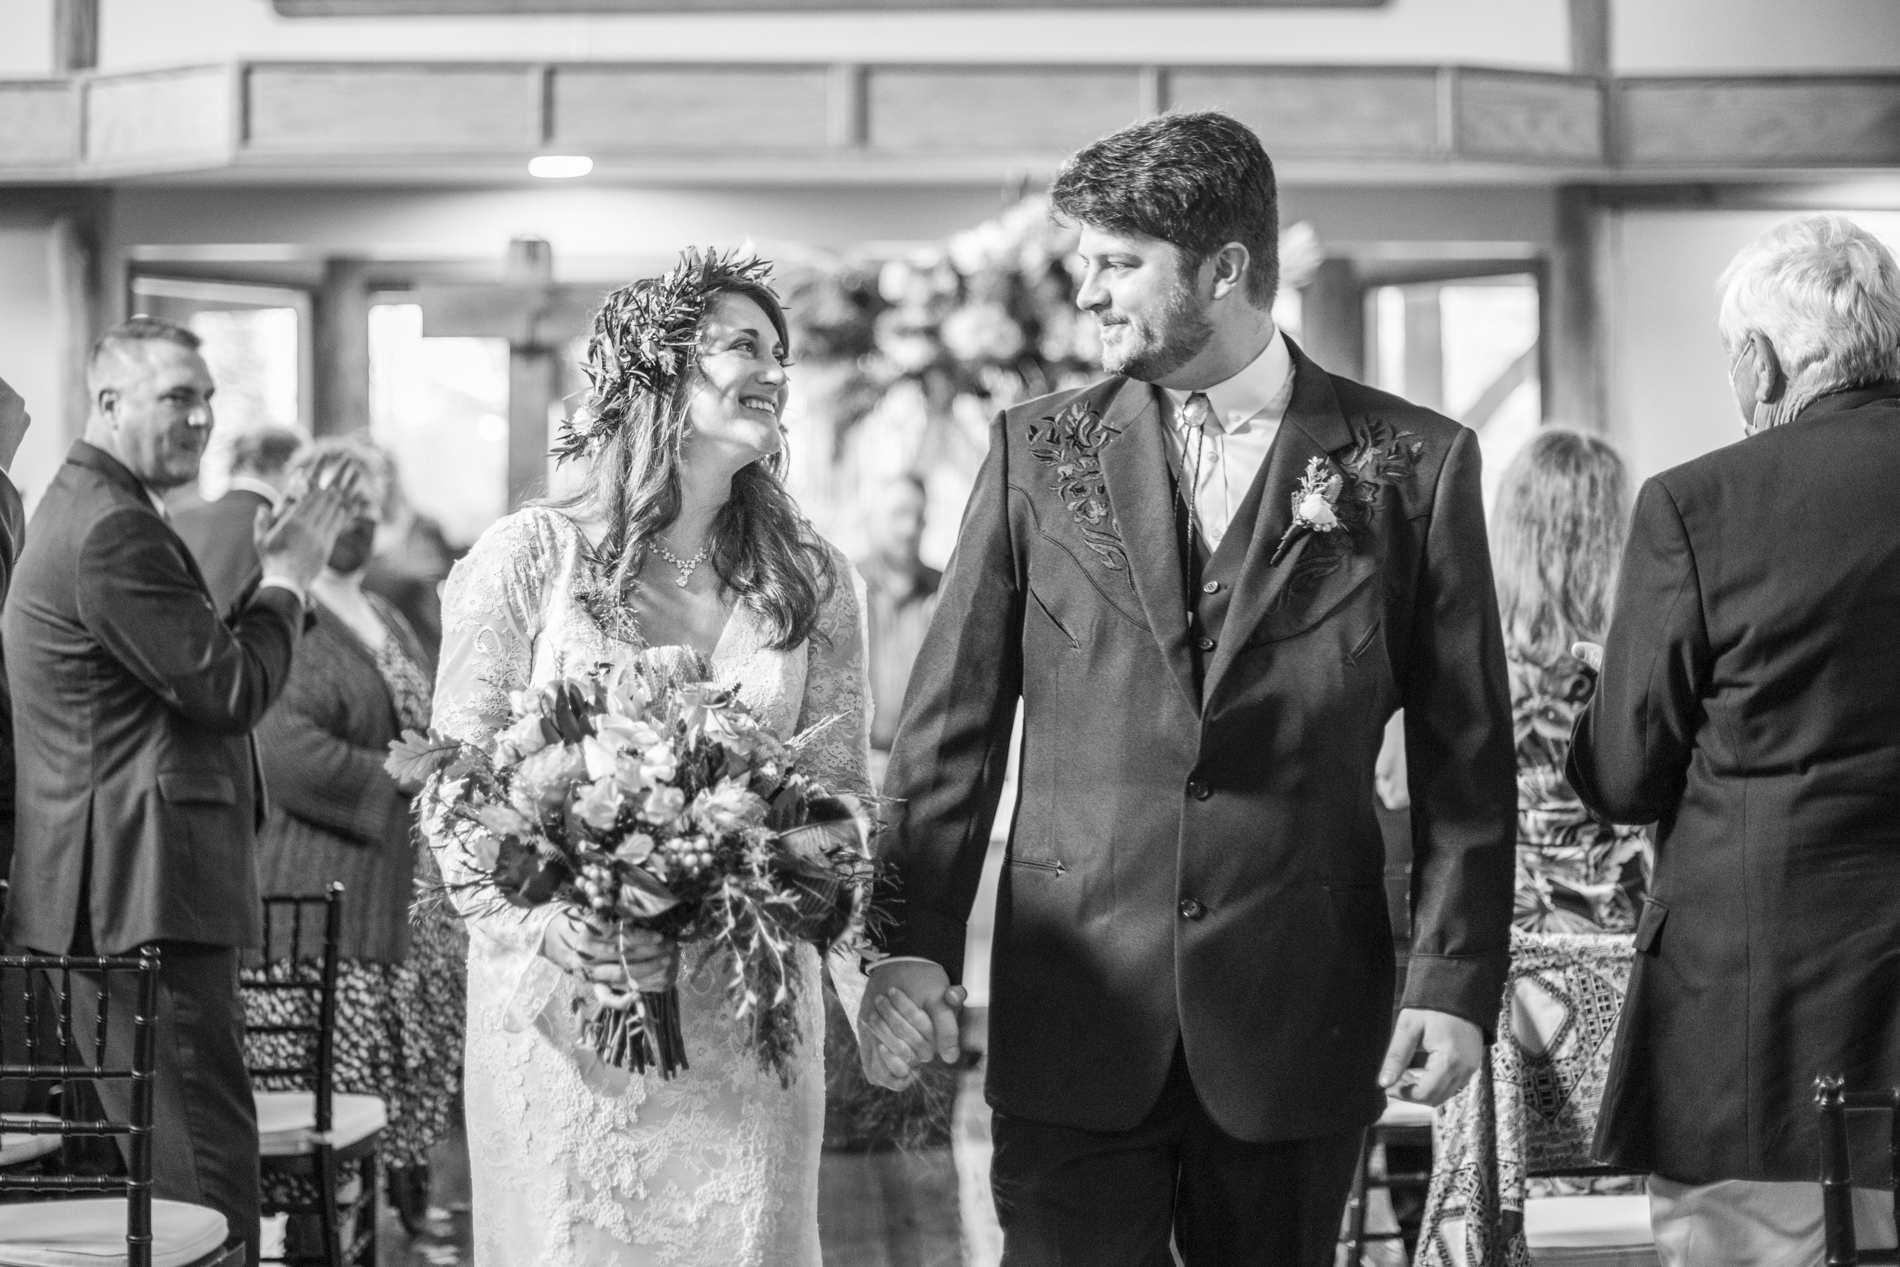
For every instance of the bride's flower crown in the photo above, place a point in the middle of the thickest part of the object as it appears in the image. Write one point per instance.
(644, 339)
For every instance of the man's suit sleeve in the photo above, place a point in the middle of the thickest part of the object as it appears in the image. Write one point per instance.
(952, 745)
(137, 595)
(1629, 755)
(1460, 758)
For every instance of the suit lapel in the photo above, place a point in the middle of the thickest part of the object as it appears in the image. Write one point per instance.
(1314, 427)
(1141, 492)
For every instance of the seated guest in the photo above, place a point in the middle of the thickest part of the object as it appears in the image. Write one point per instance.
(1561, 518)
(218, 533)
(1750, 704)
(358, 681)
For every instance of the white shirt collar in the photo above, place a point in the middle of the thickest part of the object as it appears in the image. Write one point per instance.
(250, 484)
(1239, 399)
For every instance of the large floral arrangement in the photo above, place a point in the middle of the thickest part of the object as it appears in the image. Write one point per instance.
(665, 807)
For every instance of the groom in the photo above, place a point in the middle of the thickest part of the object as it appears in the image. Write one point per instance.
(1209, 579)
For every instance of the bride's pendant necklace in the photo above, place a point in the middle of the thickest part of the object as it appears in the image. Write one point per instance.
(685, 567)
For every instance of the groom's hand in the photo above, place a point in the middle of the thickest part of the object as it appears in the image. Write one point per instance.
(1453, 1047)
(909, 1017)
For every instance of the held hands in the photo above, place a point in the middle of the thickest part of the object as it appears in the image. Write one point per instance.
(909, 1017)
(617, 965)
(296, 542)
(1453, 1048)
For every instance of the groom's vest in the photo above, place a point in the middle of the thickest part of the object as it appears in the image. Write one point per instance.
(1210, 578)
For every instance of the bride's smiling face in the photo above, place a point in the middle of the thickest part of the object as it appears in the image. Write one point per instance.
(734, 411)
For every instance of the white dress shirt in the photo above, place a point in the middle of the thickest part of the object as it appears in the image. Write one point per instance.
(1246, 414)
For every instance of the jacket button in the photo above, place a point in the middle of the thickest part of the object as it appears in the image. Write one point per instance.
(1207, 644)
(1212, 587)
(1199, 790)
(1191, 908)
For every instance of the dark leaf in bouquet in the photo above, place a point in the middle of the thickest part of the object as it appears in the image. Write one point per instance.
(568, 714)
(525, 877)
(643, 896)
(828, 809)
(416, 756)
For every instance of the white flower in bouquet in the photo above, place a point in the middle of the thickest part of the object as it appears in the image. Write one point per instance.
(523, 739)
(501, 820)
(658, 764)
(544, 776)
(635, 849)
(728, 807)
(663, 805)
(598, 803)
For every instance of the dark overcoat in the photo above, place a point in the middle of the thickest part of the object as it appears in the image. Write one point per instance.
(1750, 703)
(1195, 859)
(138, 796)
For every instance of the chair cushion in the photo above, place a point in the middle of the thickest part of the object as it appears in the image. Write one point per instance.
(15, 1149)
(1406, 1113)
(91, 1233)
(1586, 1222)
(287, 1121)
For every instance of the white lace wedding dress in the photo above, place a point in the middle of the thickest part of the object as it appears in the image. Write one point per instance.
(577, 1163)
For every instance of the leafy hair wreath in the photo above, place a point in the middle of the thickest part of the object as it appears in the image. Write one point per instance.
(644, 338)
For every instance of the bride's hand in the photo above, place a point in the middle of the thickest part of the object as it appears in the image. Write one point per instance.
(635, 959)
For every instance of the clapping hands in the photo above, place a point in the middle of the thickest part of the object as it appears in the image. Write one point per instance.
(296, 541)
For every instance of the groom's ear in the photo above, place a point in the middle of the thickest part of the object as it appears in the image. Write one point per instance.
(1228, 269)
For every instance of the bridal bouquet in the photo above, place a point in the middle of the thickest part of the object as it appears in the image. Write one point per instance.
(664, 807)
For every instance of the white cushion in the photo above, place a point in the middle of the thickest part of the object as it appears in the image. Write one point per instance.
(287, 1121)
(1586, 1222)
(92, 1233)
(1406, 1113)
(15, 1149)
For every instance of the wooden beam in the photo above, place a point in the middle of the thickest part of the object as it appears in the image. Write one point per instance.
(1590, 38)
(1571, 320)
(340, 338)
(1333, 318)
(383, 8)
(79, 308)
(1766, 121)
(75, 35)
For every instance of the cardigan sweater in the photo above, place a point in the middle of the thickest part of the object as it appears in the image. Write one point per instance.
(335, 813)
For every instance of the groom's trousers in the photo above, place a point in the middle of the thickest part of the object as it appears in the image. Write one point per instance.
(1074, 1198)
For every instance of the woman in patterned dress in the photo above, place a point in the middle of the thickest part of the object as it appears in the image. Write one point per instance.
(360, 679)
(1557, 534)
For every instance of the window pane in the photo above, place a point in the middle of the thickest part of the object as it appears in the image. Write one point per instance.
(252, 354)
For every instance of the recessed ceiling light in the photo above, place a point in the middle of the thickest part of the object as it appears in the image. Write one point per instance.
(560, 166)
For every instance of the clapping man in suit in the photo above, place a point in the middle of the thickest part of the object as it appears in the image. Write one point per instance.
(14, 420)
(138, 795)
(1749, 701)
(220, 534)
(1209, 579)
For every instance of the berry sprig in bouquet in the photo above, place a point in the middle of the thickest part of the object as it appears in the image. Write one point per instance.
(660, 806)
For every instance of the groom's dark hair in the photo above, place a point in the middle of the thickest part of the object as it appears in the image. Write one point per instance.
(1198, 180)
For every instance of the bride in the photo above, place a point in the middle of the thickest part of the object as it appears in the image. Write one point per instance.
(681, 549)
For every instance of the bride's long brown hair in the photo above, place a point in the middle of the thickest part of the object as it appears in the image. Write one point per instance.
(763, 549)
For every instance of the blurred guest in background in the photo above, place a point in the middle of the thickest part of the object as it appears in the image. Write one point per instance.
(901, 597)
(358, 681)
(1561, 519)
(412, 560)
(14, 421)
(218, 533)
(137, 798)
(1749, 702)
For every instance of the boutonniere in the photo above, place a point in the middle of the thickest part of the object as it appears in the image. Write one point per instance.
(1330, 499)
(1070, 445)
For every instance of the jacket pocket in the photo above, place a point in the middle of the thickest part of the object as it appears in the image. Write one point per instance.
(189, 788)
(1054, 867)
(1649, 926)
(1051, 617)
(1365, 641)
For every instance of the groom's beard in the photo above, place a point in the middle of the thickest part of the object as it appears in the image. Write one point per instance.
(1147, 353)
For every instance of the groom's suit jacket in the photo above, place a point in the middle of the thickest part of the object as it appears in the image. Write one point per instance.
(1195, 859)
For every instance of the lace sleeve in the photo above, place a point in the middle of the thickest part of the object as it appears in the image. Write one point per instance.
(838, 689)
(491, 612)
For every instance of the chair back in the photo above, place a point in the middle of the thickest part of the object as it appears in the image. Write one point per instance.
(1834, 1102)
(57, 1061)
(292, 1046)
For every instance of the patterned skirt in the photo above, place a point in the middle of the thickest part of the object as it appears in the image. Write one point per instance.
(398, 1034)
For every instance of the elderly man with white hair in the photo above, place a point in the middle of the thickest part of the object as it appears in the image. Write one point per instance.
(1749, 702)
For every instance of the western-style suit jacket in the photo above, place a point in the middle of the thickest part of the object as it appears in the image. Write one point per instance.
(138, 796)
(1197, 863)
(1750, 703)
(220, 536)
(12, 537)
